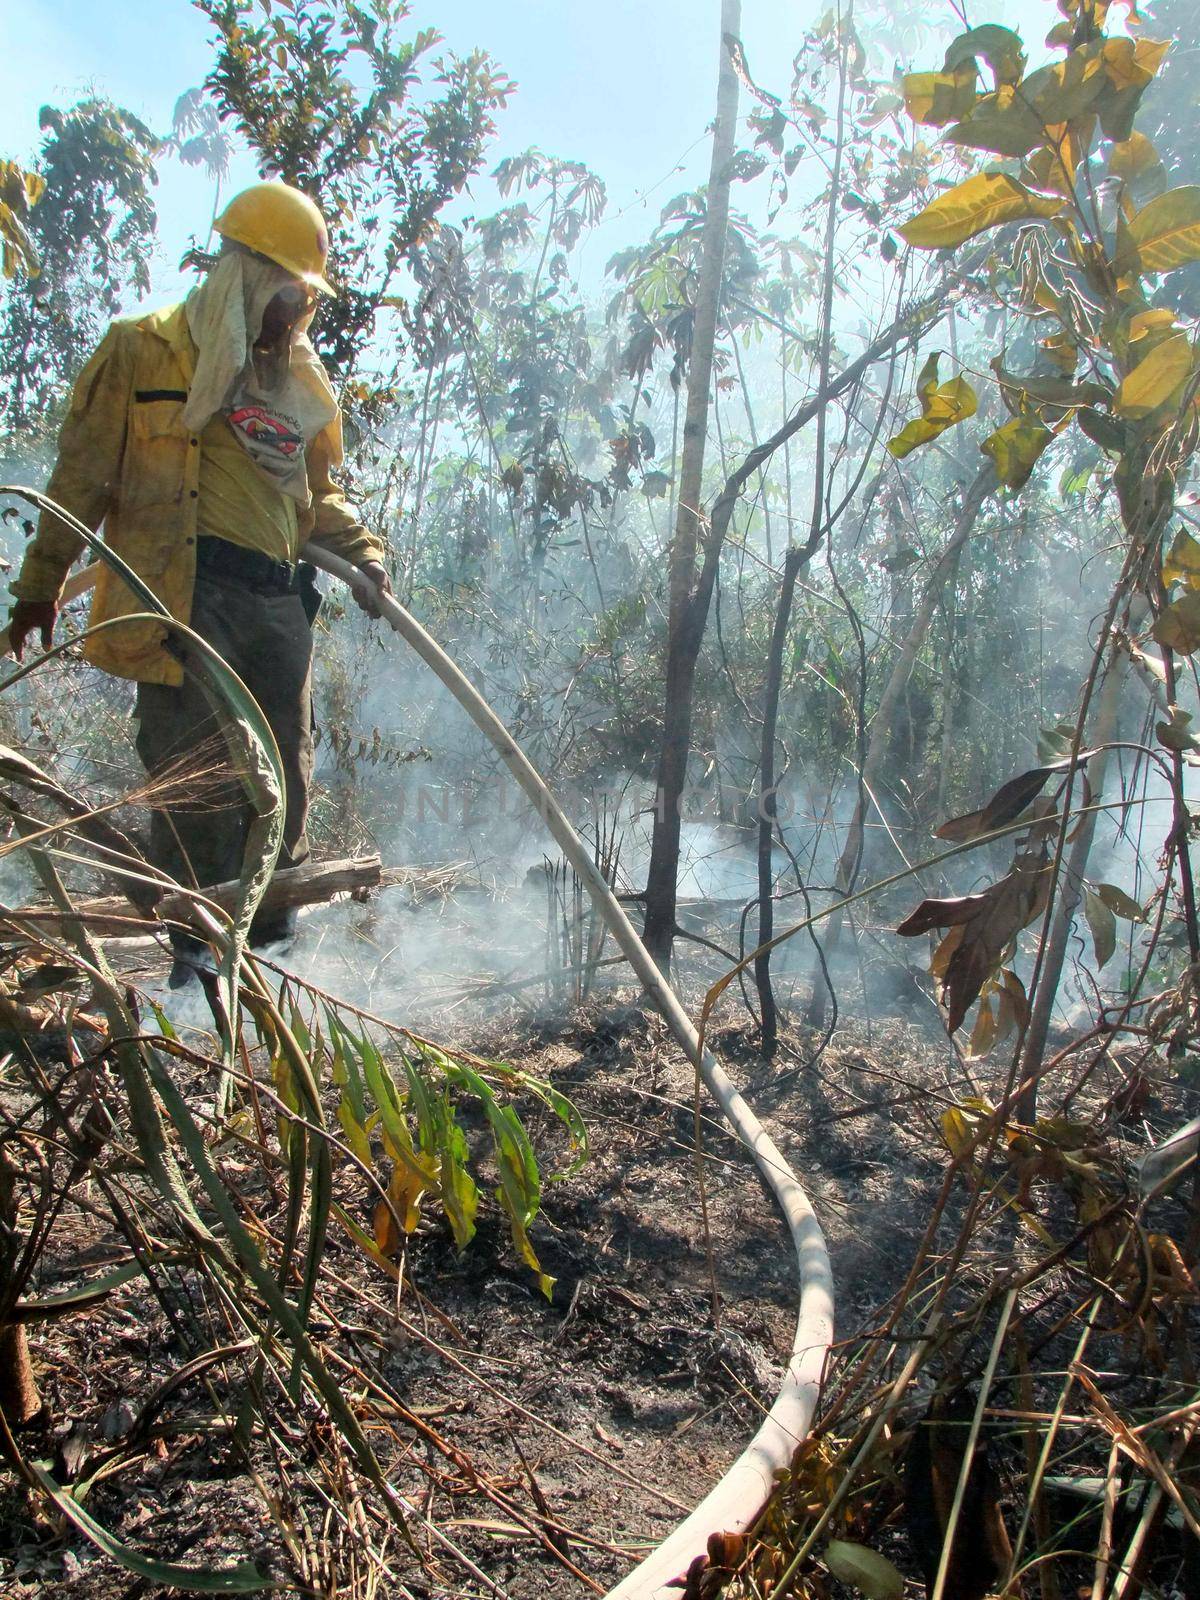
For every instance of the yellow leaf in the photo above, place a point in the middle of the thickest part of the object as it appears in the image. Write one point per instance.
(941, 958)
(971, 207)
(1157, 380)
(1035, 1227)
(404, 1192)
(1183, 562)
(1063, 352)
(935, 98)
(1166, 233)
(913, 434)
(1144, 322)
(1178, 627)
(1053, 167)
(1133, 156)
(1131, 65)
(1015, 448)
(942, 406)
(1014, 993)
(356, 1134)
(954, 401)
(1149, 53)
(387, 1236)
(957, 1132)
(984, 1033)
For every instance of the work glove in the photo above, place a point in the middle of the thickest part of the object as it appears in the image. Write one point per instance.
(28, 616)
(377, 572)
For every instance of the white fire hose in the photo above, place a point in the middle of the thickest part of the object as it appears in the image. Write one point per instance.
(734, 1504)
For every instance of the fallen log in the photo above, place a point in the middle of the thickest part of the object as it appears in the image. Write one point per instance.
(112, 917)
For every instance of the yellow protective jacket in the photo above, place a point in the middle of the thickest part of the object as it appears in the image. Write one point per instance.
(126, 459)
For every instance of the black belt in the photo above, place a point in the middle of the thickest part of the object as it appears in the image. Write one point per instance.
(251, 568)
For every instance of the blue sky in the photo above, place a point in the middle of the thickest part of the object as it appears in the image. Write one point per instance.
(623, 85)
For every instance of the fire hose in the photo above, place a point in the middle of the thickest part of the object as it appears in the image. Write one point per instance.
(734, 1504)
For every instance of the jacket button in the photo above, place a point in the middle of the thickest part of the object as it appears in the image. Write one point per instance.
(194, 493)
(194, 442)
(189, 540)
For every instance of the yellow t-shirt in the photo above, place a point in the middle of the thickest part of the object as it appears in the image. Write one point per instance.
(236, 501)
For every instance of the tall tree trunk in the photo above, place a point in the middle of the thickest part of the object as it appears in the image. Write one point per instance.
(1103, 730)
(908, 327)
(797, 557)
(682, 646)
(902, 670)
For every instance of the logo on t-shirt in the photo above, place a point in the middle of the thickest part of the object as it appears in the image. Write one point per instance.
(265, 431)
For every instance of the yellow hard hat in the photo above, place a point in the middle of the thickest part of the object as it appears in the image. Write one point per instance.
(283, 224)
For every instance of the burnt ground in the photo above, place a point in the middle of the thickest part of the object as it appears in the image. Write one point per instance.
(609, 1410)
(539, 1437)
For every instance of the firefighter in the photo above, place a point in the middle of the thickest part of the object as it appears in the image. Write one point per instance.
(205, 438)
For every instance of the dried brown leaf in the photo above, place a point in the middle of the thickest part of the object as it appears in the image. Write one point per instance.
(990, 921)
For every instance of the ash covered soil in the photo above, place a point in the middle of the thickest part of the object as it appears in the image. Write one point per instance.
(551, 1442)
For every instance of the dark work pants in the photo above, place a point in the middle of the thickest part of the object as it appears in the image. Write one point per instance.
(267, 641)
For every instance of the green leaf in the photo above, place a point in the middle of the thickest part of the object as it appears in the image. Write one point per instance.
(972, 207)
(165, 1026)
(362, 1239)
(347, 1076)
(1015, 448)
(1103, 924)
(50, 1306)
(1102, 429)
(568, 1114)
(864, 1569)
(444, 1141)
(1166, 233)
(413, 1171)
(520, 1192)
(1055, 743)
(999, 124)
(1001, 48)
(456, 1187)
(1065, 394)
(245, 1578)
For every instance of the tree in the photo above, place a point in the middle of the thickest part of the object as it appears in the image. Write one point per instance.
(92, 231)
(1168, 115)
(19, 192)
(1092, 293)
(380, 163)
(683, 639)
